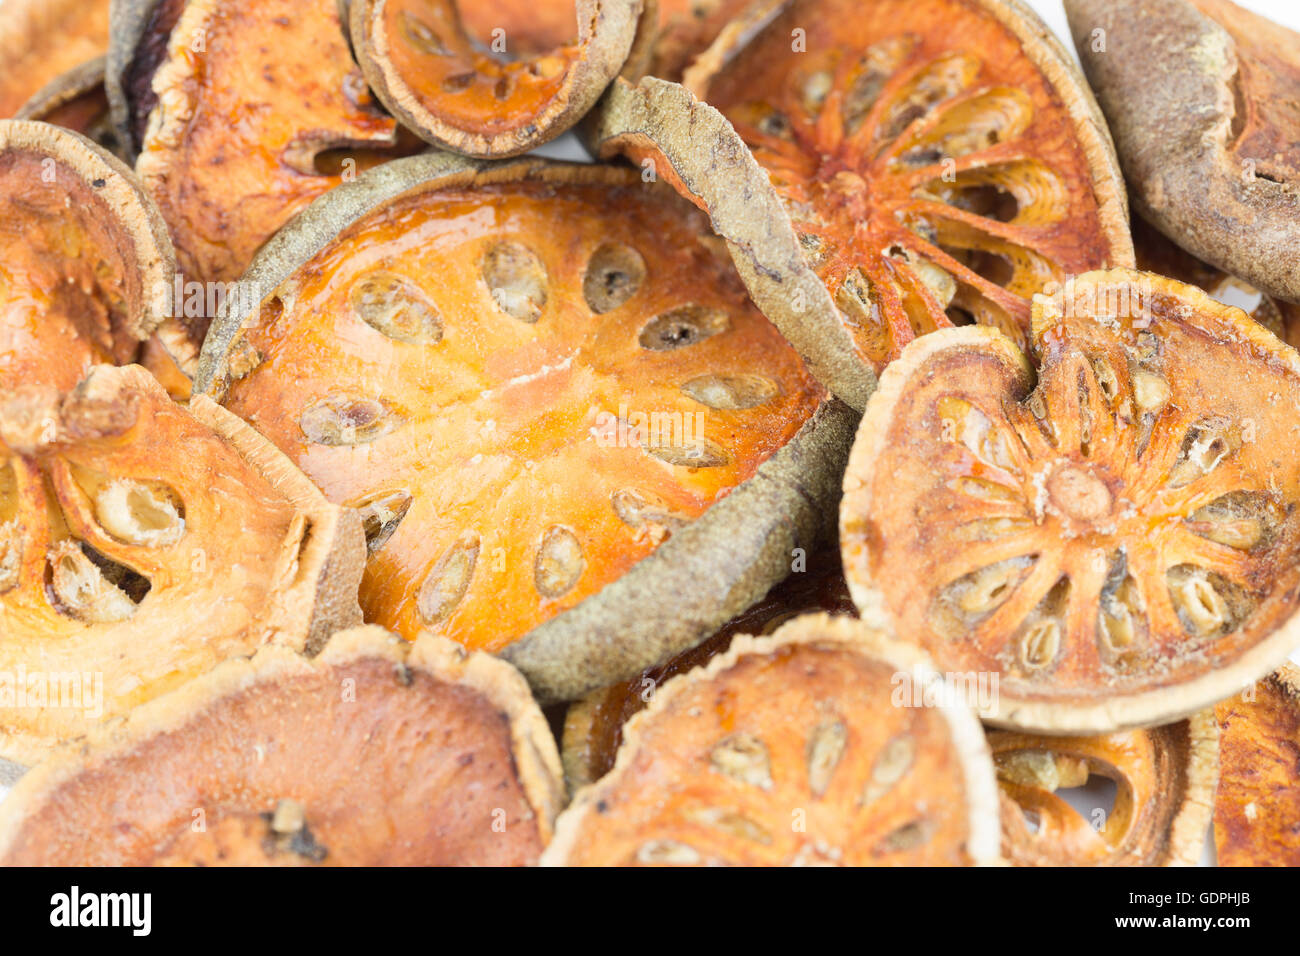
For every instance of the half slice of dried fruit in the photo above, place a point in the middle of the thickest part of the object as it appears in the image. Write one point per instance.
(593, 726)
(243, 112)
(141, 543)
(1155, 253)
(375, 753)
(1201, 96)
(40, 39)
(499, 94)
(529, 377)
(76, 100)
(83, 255)
(1119, 541)
(1164, 780)
(687, 28)
(920, 164)
(1257, 809)
(794, 749)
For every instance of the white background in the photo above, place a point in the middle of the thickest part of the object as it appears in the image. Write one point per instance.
(1283, 11)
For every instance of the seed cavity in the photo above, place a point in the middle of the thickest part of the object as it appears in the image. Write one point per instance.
(1150, 391)
(82, 590)
(1207, 604)
(667, 852)
(517, 280)
(1039, 641)
(559, 562)
(907, 837)
(744, 758)
(892, 764)
(381, 513)
(1244, 520)
(731, 392)
(1205, 446)
(963, 423)
(446, 584)
(733, 824)
(397, 308)
(702, 453)
(1121, 613)
(974, 596)
(11, 554)
(823, 753)
(421, 36)
(647, 513)
(343, 420)
(683, 326)
(1041, 769)
(614, 274)
(139, 514)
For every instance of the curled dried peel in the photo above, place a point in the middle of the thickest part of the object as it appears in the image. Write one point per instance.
(1117, 541)
(1164, 779)
(83, 257)
(791, 750)
(547, 447)
(117, 566)
(934, 163)
(525, 81)
(1257, 807)
(593, 727)
(1200, 96)
(278, 759)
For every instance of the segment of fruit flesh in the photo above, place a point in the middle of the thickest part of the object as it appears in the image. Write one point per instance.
(478, 86)
(1032, 769)
(295, 803)
(1131, 523)
(1257, 806)
(227, 170)
(63, 276)
(931, 171)
(116, 549)
(534, 385)
(791, 757)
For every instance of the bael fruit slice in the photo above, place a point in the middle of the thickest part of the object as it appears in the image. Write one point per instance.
(1164, 788)
(1201, 96)
(192, 83)
(433, 66)
(1257, 809)
(1157, 254)
(375, 753)
(792, 749)
(920, 164)
(1119, 541)
(141, 543)
(529, 377)
(83, 254)
(40, 39)
(687, 28)
(76, 100)
(593, 726)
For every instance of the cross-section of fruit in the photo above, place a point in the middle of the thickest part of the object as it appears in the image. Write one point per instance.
(593, 726)
(491, 79)
(794, 749)
(83, 256)
(1257, 808)
(140, 544)
(1163, 781)
(375, 753)
(529, 377)
(935, 163)
(1202, 98)
(40, 39)
(1117, 540)
(242, 112)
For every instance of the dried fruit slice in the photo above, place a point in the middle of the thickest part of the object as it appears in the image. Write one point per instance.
(486, 81)
(1157, 254)
(920, 164)
(1201, 95)
(1257, 809)
(528, 376)
(1118, 542)
(40, 39)
(593, 726)
(76, 100)
(687, 28)
(793, 749)
(141, 543)
(191, 81)
(1164, 780)
(375, 753)
(83, 254)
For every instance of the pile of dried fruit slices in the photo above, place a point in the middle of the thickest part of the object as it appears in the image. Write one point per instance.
(818, 457)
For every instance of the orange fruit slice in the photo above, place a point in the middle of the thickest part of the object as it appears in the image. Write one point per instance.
(266, 762)
(41, 39)
(1117, 539)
